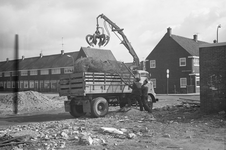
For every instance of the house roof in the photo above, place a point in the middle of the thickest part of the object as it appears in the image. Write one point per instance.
(101, 54)
(190, 45)
(49, 61)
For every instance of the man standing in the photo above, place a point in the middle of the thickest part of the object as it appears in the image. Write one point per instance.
(136, 92)
(144, 97)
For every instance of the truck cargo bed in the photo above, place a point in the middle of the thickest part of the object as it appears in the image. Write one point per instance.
(81, 84)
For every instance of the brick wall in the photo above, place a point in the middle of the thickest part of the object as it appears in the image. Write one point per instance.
(213, 77)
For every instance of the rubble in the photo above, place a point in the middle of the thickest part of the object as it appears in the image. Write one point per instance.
(117, 129)
(28, 101)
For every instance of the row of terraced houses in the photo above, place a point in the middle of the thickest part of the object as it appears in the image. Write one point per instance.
(173, 64)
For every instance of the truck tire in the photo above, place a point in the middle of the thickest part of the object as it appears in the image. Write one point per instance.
(99, 107)
(150, 101)
(76, 110)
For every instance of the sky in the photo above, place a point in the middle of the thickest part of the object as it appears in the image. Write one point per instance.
(44, 25)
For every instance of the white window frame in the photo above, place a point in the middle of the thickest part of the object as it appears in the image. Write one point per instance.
(44, 71)
(153, 80)
(152, 64)
(182, 62)
(197, 79)
(68, 70)
(33, 72)
(21, 84)
(24, 73)
(31, 84)
(26, 85)
(55, 71)
(196, 61)
(183, 82)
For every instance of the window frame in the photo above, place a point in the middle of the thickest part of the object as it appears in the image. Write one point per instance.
(196, 61)
(182, 85)
(181, 61)
(44, 72)
(33, 72)
(152, 63)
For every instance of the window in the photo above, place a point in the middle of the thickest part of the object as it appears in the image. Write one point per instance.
(13, 84)
(46, 84)
(53, 84)
(196, 61)
(8, 84)
(44, 71)
(31, 83)
(25, 84)
(154, 82)
(183, 82)
(152, 64)
(68, 70)
(1, 84)
(33, 72)
(5, 85)
(182, 61)
(197, 81)
(55, 71)
(0, 74)
(7, 74)
(36, 84)
(24, 73)
(21, 84)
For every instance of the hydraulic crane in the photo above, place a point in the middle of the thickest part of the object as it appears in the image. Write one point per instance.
(104, 38)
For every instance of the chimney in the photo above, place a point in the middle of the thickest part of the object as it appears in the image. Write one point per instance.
(195, 37)
(169, 31)
(41, 55)
(214, 41)
(7, 59)
(62, 52)
(23, 57)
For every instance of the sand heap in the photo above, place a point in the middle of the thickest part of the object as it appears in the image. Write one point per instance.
(28, 101)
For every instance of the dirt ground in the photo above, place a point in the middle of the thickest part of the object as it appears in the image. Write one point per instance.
(177, 127)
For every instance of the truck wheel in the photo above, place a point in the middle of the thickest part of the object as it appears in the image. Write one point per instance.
(76, 110)
(150, 102)
(99, 107)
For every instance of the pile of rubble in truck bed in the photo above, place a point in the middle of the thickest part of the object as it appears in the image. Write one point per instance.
(92, 65)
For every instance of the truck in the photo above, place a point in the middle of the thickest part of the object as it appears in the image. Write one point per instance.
(94, 92)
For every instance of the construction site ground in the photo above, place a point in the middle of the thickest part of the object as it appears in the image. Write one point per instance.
(45, 125)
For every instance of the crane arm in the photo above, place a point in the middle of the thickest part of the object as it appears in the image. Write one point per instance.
(125, 41)
(103, 37)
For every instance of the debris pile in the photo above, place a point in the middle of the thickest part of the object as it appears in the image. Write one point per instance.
(28, 101)
(92, 65)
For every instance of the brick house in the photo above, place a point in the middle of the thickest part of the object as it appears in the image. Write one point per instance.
(42, 73)
(178, 57)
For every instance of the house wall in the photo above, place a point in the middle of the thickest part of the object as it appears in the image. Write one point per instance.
(167, 54)
(213, 78)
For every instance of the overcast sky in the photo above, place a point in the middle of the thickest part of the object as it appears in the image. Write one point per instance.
(41, 24)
